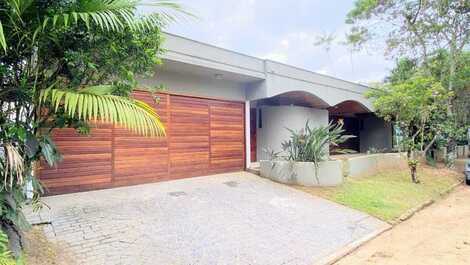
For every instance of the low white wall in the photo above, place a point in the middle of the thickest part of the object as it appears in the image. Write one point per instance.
(372, 164)
(275, 120)
(331, 172)
(303, 173)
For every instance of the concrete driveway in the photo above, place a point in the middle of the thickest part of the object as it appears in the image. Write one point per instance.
(236, 218)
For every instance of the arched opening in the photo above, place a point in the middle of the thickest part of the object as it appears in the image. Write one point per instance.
(372, 133)
(349, 108)
(295, 98)
(350, 114)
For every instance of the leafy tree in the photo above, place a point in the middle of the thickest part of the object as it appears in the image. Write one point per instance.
(413, 28)
(417, 106)
(451, 126)
(416, 29)
(426, 31)
(64, 63)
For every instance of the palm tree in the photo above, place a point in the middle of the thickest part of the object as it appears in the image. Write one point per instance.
(39, 89)
(24, 20)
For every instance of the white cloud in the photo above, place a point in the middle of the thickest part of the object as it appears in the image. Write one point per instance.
(322, 71)
(276, 56)
(261, 28)
(285, 43)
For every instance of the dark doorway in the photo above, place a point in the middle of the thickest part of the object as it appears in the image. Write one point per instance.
(253, 126)
(351, 126)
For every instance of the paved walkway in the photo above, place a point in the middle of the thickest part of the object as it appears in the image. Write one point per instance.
(438, 235)
(225, 219)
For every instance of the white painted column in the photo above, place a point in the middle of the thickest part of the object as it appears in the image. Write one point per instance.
(247, 134)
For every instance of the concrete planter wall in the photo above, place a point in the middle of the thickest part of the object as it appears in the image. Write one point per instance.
(330, 173)
(462, 151)
(372, 164)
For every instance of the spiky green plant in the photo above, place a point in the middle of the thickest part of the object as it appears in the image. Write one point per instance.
(311, 144)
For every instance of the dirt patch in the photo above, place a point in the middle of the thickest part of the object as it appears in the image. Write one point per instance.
(437, 235)
(39, 251)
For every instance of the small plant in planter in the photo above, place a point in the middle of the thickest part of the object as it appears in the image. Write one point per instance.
(311, 144)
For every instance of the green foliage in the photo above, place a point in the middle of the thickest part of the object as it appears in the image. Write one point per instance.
(311, 144)
(411, 28)
(410, 102)
(65, 63)
(5, 254)
(91, 105)
(388, 195)
(449, 125)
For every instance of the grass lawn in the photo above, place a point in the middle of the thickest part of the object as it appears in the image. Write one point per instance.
(388, 195)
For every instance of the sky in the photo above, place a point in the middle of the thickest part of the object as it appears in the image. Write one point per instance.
(283, 31)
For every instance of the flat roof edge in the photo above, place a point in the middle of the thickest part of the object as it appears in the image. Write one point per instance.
(253, 63)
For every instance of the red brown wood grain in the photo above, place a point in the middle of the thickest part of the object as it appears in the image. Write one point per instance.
(203, 136)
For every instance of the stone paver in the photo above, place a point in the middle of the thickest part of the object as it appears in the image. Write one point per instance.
(225, 219)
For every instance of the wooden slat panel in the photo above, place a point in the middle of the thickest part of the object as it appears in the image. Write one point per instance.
(140, 159)
(204, 136)
(86, 159)
(227, 136)
(189, 140)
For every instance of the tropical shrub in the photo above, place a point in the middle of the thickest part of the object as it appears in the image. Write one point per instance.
(64, 63)
(5, 254)
(312, 144)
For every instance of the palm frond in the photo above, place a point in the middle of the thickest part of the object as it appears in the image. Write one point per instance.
(3, 42)
(14, 166)
(115, 15)
(90, 104)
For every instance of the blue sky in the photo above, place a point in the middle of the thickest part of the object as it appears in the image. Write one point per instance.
(283, 31)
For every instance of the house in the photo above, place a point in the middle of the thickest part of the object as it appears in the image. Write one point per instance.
(221, 110)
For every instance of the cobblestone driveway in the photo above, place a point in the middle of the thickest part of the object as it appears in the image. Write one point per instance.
(225, 219)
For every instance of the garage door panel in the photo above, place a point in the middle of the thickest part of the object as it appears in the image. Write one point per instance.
(73, 172)
(229, 163)
(193, 157)
(227, 126)
(227, 120)
(74, 181)
(129, 173)
(183, 147)
(139, 164)
(139, 143)
(140, 159)
(189, 171)
(227, 136)
(204, 136)
(126, 154)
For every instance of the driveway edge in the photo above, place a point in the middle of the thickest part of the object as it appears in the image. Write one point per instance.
(348, 249)
(407, 215)
(337, 255)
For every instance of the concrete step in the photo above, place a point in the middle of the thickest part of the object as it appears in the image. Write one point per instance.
(254, 168)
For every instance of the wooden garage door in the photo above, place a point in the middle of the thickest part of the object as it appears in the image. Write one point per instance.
(204, 136)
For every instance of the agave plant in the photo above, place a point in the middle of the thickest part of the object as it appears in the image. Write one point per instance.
(311, 144)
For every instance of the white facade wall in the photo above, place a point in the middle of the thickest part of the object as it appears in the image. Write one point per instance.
(275, 120)
(194, 85)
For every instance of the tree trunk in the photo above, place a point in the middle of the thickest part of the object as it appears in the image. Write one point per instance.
(412, 165)
(414, 176)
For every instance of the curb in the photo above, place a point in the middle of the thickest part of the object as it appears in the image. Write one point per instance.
(351, 247)
(408, 214)
(348, 249)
